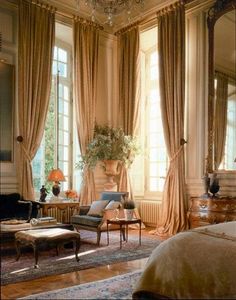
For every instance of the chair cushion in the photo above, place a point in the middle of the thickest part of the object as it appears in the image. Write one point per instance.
(97, 207)
(113, 204)
(86, 220)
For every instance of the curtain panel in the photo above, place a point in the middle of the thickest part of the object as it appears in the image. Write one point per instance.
(36, 41)
(129, 93)
(85, 53)
(220, 120)
(171, 50)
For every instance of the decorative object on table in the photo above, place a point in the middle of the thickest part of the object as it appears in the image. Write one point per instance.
(56, 175)
(43, 221)
(206, 182)
(129, 207)
(72, 195)
(112, 148)
(214, 184)
(43, 194)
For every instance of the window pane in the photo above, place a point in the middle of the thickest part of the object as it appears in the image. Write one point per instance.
(154, 140)
(63, 122)
(66, 108)
(66, 138)
(161, 183)
(55, 53)
(62, 55)
(66, 93)
(153, 73)
(153, 170)
(154, 96)
(153, 185)
(153, 58)
(162, 169)
(60, 90)
(153, 154)
(62, 69)
(61, 106)
(54, 68)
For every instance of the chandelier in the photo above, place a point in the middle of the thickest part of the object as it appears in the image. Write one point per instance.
(111, 8)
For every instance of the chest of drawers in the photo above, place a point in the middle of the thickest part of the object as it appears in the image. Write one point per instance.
(212, 210)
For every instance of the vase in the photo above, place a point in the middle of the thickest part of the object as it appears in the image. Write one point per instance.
(111, 170)
(128, 214)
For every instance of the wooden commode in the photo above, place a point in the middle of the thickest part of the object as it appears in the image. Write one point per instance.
(212, 210)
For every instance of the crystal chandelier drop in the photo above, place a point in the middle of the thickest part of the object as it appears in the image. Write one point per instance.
(111, 8)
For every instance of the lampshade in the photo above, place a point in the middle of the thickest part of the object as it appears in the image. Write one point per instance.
(56, 175)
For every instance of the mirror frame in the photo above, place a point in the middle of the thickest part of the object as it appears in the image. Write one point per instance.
(220, 8)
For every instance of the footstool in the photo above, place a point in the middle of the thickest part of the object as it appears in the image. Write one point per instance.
(54, 237)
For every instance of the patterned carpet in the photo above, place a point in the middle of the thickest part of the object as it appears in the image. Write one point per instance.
(91, 256)
(118, 287)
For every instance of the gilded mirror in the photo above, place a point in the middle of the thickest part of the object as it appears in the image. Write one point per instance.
(222, 86)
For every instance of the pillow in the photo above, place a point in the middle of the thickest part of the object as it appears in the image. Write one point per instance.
(113, 204)
(97, 207)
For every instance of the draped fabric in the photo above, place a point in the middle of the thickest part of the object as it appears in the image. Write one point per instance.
(171, 50)
(129, 94)
(220, 118)
(86, 41)
(36, 40)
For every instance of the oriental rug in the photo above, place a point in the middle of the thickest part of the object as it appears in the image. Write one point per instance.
(117, 287)
(90, 255)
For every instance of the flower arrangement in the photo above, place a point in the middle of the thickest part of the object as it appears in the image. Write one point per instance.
(109, 143)
(71, 194)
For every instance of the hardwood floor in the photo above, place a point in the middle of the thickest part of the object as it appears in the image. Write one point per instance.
(21, 289)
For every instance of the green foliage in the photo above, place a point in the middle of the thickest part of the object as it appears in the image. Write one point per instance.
(129, 204)
(109, 143)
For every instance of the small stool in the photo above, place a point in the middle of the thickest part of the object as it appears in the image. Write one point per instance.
(53, 237)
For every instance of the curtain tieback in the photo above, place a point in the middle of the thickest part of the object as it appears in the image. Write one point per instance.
(176, 154)
(20, 140)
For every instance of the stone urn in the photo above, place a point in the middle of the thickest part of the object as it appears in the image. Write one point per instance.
(111, 170)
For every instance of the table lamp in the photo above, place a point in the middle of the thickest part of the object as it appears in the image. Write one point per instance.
(56, 175)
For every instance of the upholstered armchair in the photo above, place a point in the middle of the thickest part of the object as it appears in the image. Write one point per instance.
(93, 217)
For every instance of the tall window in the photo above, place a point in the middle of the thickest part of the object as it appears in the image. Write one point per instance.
(150, 168)
(56, 147)
(228, 162)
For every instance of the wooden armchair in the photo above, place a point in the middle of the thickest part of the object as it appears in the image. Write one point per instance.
(97, 223)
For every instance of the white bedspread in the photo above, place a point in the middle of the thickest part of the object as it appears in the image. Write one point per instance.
(195, 264)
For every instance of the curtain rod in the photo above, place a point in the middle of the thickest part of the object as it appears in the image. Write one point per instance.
(59, 12)
(153, 16)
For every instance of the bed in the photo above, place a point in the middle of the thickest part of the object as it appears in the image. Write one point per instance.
(195, 264)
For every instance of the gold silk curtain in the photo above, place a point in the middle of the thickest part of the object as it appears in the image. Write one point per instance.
(129, 94)
(171, 50)
(220, 120)
(86, 42)
(36, 41)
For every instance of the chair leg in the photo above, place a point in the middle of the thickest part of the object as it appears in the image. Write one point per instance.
(123, 233)
(98, 237)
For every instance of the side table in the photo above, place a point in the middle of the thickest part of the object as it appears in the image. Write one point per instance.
(61, 211)
(124, 223)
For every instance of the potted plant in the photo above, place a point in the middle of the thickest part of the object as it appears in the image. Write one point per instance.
(129, 207)
(109, 144)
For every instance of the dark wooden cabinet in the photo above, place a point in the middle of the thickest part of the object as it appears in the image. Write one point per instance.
(212, 210)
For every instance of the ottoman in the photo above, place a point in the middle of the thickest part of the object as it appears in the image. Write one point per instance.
(54, 237)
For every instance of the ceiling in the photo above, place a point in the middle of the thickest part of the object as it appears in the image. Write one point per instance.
(69, 7)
